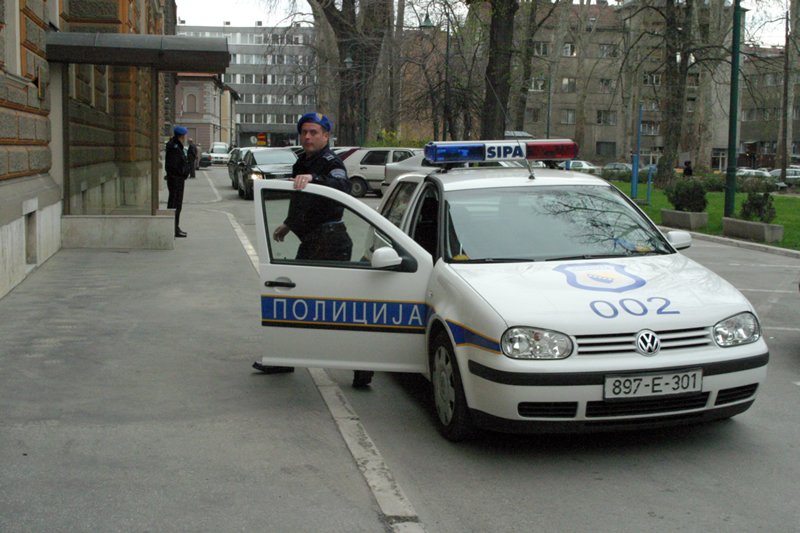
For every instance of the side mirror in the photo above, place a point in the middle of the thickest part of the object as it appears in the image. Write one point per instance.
(385, 258)
(680, 240)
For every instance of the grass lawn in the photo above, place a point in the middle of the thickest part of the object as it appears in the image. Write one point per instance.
(787, 207)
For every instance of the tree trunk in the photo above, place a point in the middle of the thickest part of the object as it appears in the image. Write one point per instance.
(677, 39)
(498, 69)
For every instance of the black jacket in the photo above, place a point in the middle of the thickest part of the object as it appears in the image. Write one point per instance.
(176, 164)
(307, 212)
(192, 151)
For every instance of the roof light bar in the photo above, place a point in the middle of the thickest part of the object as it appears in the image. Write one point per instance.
(465, 151)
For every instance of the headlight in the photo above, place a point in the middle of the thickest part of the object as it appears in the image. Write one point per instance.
(738, 329)
(256, 176)
(531, 343)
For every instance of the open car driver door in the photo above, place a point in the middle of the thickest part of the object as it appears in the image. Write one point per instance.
(366, 311)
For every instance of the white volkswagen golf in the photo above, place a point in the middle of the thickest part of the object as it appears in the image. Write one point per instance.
(532, 299)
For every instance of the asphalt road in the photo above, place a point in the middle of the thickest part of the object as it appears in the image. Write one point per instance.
(736, 475)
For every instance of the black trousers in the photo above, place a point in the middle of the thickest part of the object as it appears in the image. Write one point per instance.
(327, 242)
(175, 187)
(192, 165)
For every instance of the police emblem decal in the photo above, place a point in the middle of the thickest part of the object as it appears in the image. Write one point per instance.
(647, 343)
(603, 277)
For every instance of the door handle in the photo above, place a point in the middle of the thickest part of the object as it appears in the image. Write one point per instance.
(287, 284)
(363, 168)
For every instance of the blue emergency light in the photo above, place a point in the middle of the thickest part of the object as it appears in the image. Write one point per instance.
(467, 151)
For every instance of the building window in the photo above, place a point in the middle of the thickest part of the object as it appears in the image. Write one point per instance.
(693, 79)
(608, 50)
(653, 79)
(650, 105)
(568, 116)
(191, 103)
(690, 103)
(606, 149)
(651, 127)
(541, 48)
(568, 85)
(533, 114)
(606, 117)
(607, 85)
(569, 50)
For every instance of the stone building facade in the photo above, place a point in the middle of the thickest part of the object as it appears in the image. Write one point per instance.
(88, 119)
(203, 104)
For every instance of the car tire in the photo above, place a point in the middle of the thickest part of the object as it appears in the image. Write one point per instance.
(248, 193)
(358, 187)
(452, 413)
(379, 193)
(240, 190)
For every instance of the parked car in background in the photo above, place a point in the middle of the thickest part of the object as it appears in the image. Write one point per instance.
(577, 165)
(752, 173)
(792, 175)
(219, 153)
(617, 169)
(264, 163)
(204, 160)
(235, 163)
(365, 167)
(344, 151)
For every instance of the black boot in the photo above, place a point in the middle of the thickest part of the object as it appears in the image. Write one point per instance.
(362, 378)
(267, 369)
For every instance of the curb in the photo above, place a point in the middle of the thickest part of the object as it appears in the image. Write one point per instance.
(794, 254)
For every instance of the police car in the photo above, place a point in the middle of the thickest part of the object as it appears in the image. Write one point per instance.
(532, 299)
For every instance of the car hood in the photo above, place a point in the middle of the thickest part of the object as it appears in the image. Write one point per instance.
(274, 169)
(606, 295)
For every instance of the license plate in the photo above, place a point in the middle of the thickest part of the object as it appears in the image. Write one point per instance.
(642, 385)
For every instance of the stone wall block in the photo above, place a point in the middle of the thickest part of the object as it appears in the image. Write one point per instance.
(17, 95)
(17, 160)
(39, 158)
(3, 161)
(94, 9)
(8, 124)
(27, 126)
(43, 129)
(37, 6)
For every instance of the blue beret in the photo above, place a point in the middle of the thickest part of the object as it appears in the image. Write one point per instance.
(180, 130)
(316, 118)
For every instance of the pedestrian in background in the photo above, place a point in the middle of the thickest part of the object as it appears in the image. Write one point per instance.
(191, 153)
(687, 169)
(176, 165)
(317, 221)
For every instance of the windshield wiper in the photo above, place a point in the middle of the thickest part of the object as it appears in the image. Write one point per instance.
(586, 256)
(496, 260)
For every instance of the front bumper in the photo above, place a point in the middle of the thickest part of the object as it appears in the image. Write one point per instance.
(566, 402)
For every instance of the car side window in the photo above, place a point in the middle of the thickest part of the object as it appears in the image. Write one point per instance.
(400, 155)
(425, 229)
(347, 242)
(397, 204)
(376, 157)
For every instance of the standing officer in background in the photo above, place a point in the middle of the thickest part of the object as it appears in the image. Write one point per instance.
(191, 153)
(176, 164)
(317, 221)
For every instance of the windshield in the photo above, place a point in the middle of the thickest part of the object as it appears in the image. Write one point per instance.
(275, 157)
(546, 224)
(219, 150)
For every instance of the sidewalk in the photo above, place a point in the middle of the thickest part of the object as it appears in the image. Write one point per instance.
(128, 401)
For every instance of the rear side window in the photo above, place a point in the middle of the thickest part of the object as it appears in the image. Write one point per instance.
(399, 155)
(376, 157)
(398, 204)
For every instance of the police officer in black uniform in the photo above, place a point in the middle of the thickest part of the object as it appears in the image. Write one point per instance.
(317, 221)
(176, 165)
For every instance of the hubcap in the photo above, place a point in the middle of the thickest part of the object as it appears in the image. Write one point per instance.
(444, 391)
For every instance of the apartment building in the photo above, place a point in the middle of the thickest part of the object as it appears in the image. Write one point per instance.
(273, 70)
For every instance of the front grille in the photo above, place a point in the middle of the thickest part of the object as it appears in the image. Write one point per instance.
(625, 343)
(646, 406)
(735, 394)
(548, 409)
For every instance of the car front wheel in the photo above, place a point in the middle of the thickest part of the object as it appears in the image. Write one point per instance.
(452, 414)
(358, 187)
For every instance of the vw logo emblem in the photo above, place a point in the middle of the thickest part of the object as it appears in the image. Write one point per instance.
(647, 343)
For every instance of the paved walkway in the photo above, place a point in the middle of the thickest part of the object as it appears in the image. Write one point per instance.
(127, 402)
